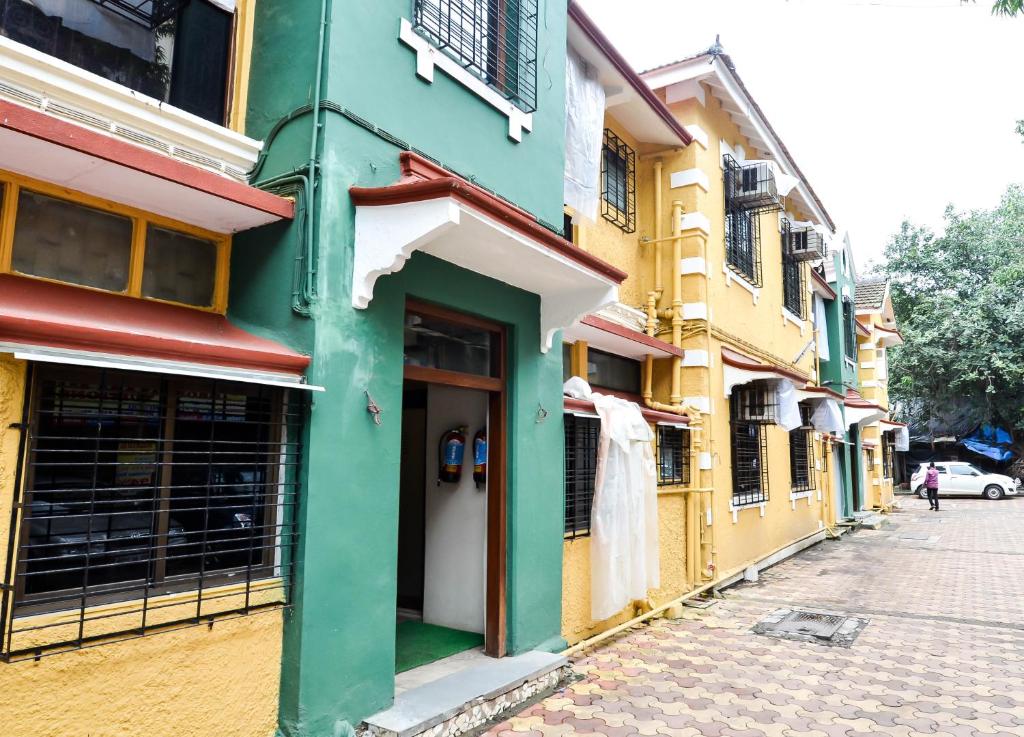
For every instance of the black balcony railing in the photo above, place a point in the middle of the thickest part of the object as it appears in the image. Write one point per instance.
(496, 40)
(176, 51)
(806, 244)
(750, 186)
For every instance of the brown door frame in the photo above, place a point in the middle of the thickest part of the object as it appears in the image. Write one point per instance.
(497, 461)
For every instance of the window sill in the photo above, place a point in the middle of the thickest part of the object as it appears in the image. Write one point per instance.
(428, 57)
(735, 509)
(732, 276)
(52, 86)
(788, 316)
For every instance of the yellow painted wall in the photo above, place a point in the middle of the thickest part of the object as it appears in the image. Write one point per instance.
(874, 387)
(193, 682)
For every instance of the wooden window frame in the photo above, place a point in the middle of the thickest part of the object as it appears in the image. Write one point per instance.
(141, 220)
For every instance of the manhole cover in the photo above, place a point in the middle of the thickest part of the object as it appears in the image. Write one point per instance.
(826, 628)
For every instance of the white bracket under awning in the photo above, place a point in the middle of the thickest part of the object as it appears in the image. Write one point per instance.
(154, 365)
(387, 235)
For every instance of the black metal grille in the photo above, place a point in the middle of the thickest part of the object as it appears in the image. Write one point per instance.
(150, 503)
(801, 453)
(793, 287)
(749, 462)
(582, 435)
(673, 456)
(496, 40)
(147, 13)
(618, 182)
(806, 244)
(755, 402)
(849, 328)
(887, 455)
(869, 458)
(750, 187)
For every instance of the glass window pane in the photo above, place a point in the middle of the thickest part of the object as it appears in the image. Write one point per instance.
(178, 267)
(69, 242)
(437, 343)
(613, 372)
(566, 361)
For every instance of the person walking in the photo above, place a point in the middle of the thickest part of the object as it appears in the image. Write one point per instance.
(931, 483)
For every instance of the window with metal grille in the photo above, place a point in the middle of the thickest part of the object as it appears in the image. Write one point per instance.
(618, 182)
(743, 244)
(793, 288)
(869, 455)
(887, 455)
(801, 453)
(849, 328)
(581, 438)
(496, 40)
(750, 186)
(755, 402)
(749, 454)
(173, 496)
(673, 456)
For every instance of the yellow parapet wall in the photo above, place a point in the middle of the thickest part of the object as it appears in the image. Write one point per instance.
(200, 681)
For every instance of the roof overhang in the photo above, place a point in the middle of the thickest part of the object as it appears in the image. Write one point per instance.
(587, 409)
(435, 212)
(821, 287)
(860, 411)
(56, 323)
(627, 96)
(718, 73)
(738, 369)
(609, 336)
(863, 329)
(893, 423)
(44, 147)
(889, 336)
(811, 392)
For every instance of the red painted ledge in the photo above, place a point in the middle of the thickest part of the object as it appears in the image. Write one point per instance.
(651, 415)
(68, 135)
(820, 281)
(423, 180)
(40, 313)
(636, 336)
(606, 47)
(740, 361)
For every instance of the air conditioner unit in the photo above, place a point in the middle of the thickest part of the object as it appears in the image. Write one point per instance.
(751, 186)
(807, 244)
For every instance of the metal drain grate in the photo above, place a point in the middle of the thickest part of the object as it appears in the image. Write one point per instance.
(815, 624)
(824, 628)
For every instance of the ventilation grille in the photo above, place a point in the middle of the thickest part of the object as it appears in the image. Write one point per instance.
(20, 95)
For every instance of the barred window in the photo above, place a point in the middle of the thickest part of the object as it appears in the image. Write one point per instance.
(618, 182)
(749, 448)
(138, 485)
(673, 456)
(849, 328)
(801, 453)
(581, 438)
(743, 244)
(496, 40)
(888, 455)
(793, 287)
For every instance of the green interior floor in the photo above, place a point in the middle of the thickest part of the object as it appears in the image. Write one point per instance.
(417, 644)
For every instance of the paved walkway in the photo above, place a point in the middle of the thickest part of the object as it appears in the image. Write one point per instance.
(943, 653)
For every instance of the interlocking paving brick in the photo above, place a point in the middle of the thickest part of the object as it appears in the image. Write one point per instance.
(942, 655)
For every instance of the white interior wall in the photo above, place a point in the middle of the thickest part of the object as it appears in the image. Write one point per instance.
(456, 518)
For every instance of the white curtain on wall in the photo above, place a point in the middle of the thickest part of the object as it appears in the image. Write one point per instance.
(584, 136)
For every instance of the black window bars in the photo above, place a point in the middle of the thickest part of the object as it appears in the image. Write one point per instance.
(582, 435)
(849, 329)
(801, 453)
(793, 285)
(888, 454)
(751, 407)
(150, 503)
(618, 182)
(496, 40)
(673, 456)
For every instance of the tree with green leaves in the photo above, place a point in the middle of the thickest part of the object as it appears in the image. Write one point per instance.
(1008, 7)
(959, 302)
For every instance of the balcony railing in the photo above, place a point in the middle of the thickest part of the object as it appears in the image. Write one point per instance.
(806, 244)
(176, 51)
(750, 186)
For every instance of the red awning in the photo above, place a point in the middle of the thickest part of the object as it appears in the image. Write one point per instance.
(651, 415)
(64, 322)
(620, 340)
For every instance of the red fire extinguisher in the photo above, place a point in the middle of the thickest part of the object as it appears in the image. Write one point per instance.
(480, 457)
(450, 452)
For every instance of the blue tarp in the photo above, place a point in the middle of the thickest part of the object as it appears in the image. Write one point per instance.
(991, 442)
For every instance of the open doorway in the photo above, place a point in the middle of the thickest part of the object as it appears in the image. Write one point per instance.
(451, 546)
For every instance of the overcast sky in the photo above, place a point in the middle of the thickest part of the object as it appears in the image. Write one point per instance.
(892, 108)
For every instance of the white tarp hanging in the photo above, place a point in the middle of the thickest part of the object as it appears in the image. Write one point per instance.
(789, 406)
(584, 136)
(901, 439)
(827, 417)
(624, 561)
(821, 325)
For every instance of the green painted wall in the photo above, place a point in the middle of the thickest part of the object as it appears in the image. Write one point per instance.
(338, 664)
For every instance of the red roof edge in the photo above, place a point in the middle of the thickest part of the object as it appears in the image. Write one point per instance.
(45, 127)
(40, 313)
(423, 180)
(738, 360)
(830, 393)
(820, 280)
(596, 321)
(651, 415)
(608, 49)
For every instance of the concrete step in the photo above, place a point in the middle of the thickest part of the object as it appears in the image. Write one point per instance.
(872, 520)
(464, 701)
